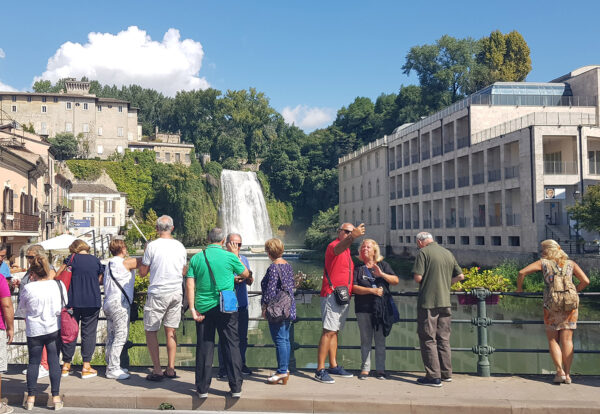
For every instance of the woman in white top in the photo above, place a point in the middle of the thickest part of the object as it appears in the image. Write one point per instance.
(120, 271)
(40, 305)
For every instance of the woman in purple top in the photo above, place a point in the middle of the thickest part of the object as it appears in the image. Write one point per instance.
(279, 277)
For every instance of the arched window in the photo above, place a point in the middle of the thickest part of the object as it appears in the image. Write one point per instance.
(8, 200)
(377, 188)
(378, 216)
(369, 192)
(376, 160)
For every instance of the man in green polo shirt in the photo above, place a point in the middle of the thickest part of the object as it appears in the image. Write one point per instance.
(435, 270)
(203, 300)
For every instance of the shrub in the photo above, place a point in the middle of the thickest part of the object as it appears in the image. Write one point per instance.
(477, 278)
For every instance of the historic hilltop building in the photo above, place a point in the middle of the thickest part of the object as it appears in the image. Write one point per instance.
(491, 173)
(106, 125)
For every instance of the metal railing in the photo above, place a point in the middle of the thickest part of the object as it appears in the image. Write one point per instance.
(494, 175)
(20, 222)
(448, 146)
(511, 172)
(482, 349)
(463, 181)
(463, 222)
(495, 220)
(436, 150)
(560, 167)
(424, 155)
(449, 183)
(426, 188)
(462, 142)
(478, 178)
(437, 186)
(478, 221)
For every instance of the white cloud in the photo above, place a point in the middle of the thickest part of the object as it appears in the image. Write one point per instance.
(308, 118)
(131, 57)
(6, 88)
(2, 54)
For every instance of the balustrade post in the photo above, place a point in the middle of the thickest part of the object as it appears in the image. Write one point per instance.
(482, 349)
(293, 347)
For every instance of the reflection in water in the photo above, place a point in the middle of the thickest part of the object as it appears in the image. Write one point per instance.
(404, 334)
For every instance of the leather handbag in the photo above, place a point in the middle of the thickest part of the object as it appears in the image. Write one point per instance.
(65, 275)
(227, 298)
(133, 307)
(69, 328)
(341, 293)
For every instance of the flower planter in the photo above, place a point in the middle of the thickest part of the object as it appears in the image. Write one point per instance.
(472, 300)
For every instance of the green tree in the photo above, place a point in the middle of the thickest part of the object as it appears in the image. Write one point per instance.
(64, 146)
(358, 119)
(410, 104)
(323, 229)
(502, 58)
(587, 211)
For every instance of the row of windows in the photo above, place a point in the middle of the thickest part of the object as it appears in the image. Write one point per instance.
(68, 106)
(108, 221)
(513, 241)
(360, 165)
(368, 219)
(369, 192)
(89, 206)
(168, 157)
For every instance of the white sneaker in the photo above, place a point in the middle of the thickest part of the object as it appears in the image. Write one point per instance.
(5, 409)
(117, 374)
(43, 372)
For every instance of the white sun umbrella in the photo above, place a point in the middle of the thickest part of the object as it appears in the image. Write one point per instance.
(61, 242)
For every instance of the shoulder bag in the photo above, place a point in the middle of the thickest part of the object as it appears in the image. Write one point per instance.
(69, 328)
(133, 307)
(65, 275)
(279, 308)
(227, 299)
(341, 293)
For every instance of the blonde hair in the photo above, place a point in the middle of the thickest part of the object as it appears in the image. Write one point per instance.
(116, 246)
(376, 250)
(79, 246)
(36, 250)
(40, 267)
(274, 248)
(551, 250)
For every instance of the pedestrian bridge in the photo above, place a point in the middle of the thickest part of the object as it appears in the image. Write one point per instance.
(399, 394)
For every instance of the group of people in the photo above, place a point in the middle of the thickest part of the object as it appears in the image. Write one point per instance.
(220, 269)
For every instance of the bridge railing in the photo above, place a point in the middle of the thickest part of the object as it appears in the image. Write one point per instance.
(482, 349)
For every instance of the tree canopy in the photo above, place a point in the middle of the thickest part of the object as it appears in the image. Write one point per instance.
(587, 211)
(64, 146)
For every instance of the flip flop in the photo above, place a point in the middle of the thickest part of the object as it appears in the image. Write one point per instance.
(154, 377)
(166, 375)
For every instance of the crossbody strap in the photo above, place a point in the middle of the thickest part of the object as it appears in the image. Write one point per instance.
(62, 296)
(212, 276)
(118, 284)
(349, 273)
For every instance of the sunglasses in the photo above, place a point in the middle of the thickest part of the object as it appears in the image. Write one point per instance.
(346, 231)
(29, 257)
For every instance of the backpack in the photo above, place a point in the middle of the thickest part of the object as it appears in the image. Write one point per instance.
(561, 294)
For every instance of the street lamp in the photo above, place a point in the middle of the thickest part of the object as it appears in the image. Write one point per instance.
(577, 198)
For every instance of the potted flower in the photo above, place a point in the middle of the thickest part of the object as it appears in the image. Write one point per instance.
(477, 278)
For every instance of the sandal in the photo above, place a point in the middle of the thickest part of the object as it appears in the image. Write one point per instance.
(154, 377)
(88, 373)
(559, 379)
(166, 374)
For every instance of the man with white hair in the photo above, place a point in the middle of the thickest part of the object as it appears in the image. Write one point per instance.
(166, 260)
(435, 270)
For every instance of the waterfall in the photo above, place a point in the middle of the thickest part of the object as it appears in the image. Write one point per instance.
(243, 209)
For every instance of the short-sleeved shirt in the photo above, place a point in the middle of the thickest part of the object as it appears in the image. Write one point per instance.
(224, 265)
(339, 267)
(4, 293)
(365, 303)
(5, 270)
(84, 291)
(167, 258)
(438, 266)
(241, 289)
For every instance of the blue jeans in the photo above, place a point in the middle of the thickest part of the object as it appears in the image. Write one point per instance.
(280, 332)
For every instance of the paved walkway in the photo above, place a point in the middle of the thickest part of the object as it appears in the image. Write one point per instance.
(398, 395)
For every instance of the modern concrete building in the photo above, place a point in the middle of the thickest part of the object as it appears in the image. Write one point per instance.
(167, 147)
(105, 125)
(491, 173)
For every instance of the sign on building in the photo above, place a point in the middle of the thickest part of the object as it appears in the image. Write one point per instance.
(80, 223)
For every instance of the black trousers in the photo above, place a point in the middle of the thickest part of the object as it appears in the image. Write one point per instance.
(35, 345)
(227, 326)
(243, 319)
(89, 324)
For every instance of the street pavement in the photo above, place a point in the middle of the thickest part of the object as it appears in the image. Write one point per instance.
(399, 394)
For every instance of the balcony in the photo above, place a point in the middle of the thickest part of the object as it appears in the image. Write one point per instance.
(495, 221)
(65, 205)
(399, 193)
(463, 181)
(414, 158)
(20, 222)
(406, 161)
(407, 192)
(407, 225)
(436, 150)
(560, 167)
(462, 142)
(450, 223)
(400, 225)
(478, 221)
(494, 175)
(477, 178)
(437, 223)
(449, 183)
(426, 224)
(425, 155)
(426, 188)
(437, 186)
(463, 222)
(399, 163)
(513, 219)
(415, 190)
(415, 224)
(392, 195)
(511, 172)
(448, 146)
(392, 166)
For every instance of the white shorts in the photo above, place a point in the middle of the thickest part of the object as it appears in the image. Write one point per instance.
(165, 308)
(3, 351)
(333, 314)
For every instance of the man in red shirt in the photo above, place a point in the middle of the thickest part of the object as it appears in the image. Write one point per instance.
(338, 272)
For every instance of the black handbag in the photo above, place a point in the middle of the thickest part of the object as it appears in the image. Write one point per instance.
(133, 307)
(341, 293)
(280, 307)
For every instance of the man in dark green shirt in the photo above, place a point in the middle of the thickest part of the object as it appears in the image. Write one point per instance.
(203, 299)
(435, 270)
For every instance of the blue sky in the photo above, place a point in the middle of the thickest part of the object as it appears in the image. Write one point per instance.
(309, 57)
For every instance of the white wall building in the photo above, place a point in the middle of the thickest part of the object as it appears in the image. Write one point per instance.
(99, 207)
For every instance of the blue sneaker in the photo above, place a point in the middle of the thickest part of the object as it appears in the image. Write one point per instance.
(322, 376)
(340, 371)
(431, 382)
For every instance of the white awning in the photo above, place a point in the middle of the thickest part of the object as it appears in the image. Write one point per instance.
(59, 242)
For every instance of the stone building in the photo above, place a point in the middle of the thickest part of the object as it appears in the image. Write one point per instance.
(167, 147)
(492, 173)
(105, 125)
